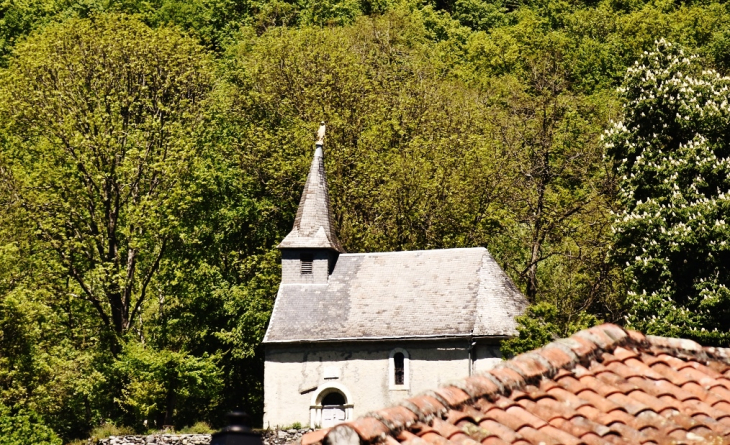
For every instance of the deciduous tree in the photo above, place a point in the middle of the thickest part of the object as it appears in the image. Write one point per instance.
(97, 116)
(672, 153)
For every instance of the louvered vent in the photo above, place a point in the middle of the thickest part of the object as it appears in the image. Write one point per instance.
(307, 261)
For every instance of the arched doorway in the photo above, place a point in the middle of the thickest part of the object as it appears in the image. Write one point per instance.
(331, 405)
(333, 409)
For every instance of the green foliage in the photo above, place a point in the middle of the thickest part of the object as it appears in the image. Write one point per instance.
(145, 181)
(542, 324)
(108, 429)
(671, 151)
(128, 97)
(480, 15)
(158, 380)
(197, 428)
(24, 427)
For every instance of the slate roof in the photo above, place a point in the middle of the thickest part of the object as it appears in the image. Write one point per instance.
(413, 294)
(313, 226)
(603, 385)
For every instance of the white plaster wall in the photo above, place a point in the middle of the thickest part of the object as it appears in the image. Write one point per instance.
(486, 357)
(294, 374)
(291, 266)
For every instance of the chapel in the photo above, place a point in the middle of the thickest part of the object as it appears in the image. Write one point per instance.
(353, 332)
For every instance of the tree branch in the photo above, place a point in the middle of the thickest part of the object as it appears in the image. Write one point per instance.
(146, 281)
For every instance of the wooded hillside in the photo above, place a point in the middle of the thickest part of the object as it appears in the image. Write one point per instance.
(152, 155)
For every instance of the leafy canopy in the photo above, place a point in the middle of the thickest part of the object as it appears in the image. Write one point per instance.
(96, 117)
(22, 427)
(452, 123)
(672, 153)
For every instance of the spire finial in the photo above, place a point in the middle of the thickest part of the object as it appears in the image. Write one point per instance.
(320, 134)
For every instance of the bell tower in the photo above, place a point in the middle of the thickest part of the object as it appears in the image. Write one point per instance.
(309, 252)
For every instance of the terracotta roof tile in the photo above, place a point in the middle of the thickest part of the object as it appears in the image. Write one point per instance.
(637, 337)
(575, 430)
(624, 354)
(414, 441)
(369, 429)
(560, 435)
(314, 437)
(506, 434)
(463, 439)
(445, 429)
(426, 405)
(481, 386)
(494, 440)
(512, 422)
(452, 396)
(508, 377)
(580, 346)
(558, 357)
(722, 405)
(629, 434)
(433, 438)
(530, 366)
(573, 401)
(702, 375)
(601, 386)
(537, 437)
(602, 404)
(405, 435)
(456, 417)
(544, 411)
(676, 378)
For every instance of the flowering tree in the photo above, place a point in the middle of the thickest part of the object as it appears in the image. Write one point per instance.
(672, 154)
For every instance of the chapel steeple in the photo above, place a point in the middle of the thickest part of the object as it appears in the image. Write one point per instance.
(313, 236)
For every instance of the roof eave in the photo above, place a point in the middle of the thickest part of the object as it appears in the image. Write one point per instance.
(391, 338)
(331, 247)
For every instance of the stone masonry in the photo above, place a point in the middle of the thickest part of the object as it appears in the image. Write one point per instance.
(158, 439)
(269, 437)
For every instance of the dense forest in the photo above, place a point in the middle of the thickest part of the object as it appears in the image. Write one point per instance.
(152, 154)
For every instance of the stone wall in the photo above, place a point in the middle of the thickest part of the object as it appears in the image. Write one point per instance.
(279, 437)
(269, 437)
(158, 439)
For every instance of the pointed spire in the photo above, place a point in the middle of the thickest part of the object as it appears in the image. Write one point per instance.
(313, 227)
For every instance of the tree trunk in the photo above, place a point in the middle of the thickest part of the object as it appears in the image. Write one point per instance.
(170, 409)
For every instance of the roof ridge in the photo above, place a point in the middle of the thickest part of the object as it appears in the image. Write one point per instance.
(401, 252)
(511, 375)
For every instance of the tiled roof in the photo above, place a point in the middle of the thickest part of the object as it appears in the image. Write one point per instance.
(602, 385)
(458, 292)
(313, 226)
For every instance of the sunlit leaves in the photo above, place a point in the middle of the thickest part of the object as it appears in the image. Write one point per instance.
(672, 154)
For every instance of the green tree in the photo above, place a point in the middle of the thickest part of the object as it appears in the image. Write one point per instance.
(99, 161)
(542, 324)
(156, 382)
(671, 152)
(21, 427)
(96, 115)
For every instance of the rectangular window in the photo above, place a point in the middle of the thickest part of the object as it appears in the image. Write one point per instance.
(399, 365)
(307, 259)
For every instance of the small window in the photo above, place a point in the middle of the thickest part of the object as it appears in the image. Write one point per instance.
(307, 260)
(399, 368)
